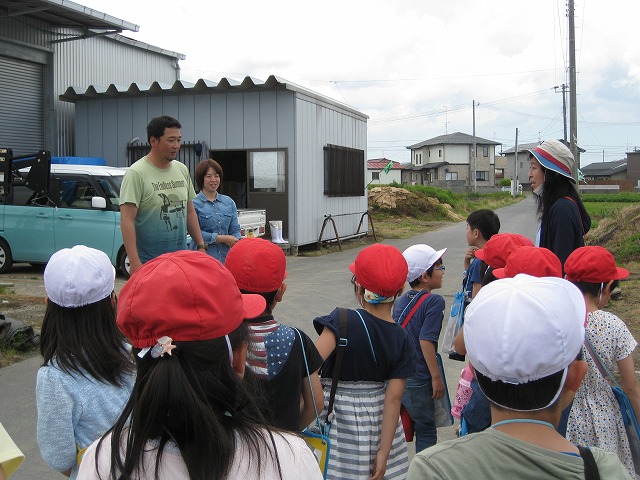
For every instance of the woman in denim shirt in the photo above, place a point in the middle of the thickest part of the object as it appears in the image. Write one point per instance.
(217, 213)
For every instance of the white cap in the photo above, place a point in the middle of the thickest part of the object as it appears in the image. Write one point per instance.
(78, 276)
(420, 258)
(524, 328)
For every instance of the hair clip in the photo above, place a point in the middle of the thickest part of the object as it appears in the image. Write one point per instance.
(163, 346)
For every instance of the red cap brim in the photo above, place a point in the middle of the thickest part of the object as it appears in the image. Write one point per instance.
(253, 305)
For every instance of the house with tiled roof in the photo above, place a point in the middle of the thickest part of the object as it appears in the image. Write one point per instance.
(615, 170)
(447, 161)
(376, 173)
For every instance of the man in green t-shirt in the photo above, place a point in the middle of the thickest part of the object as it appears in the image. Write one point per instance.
(524, 337)
(155, 199)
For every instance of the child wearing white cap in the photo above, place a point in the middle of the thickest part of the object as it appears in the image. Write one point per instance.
(524, 337)
(88, 372)
(424, 312)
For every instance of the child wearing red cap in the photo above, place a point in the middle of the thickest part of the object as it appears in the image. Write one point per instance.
(425, 274)
(367, 439)
(279, 356)
(190, 414)
(595, 417)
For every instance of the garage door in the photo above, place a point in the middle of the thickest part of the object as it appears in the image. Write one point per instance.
(21, 122)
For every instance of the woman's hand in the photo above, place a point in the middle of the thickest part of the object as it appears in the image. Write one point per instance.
(379, 466)
(228, 240)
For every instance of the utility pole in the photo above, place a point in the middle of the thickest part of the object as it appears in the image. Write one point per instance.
(475, 152)
(564, 107)
(515, 183)
(573, 124)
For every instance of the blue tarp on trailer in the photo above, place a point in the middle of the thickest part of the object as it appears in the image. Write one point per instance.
(79, 160)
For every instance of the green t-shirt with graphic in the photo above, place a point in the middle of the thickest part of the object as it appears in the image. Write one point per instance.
(162, 196)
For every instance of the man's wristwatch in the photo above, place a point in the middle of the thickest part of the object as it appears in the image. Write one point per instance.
(204, 247)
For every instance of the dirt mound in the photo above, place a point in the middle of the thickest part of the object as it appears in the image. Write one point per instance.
(402, 202)
(619, 234)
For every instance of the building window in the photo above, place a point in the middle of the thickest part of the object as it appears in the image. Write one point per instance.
(266, 171)
(420, 155)
(439, 153)
(429, 153)
(499, 173)
(485, 151)
(451, 175)
(414, 177)
(375, 175)
(343, 171)
(482, 176)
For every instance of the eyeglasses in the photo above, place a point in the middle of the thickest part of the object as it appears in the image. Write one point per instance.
(441, 267)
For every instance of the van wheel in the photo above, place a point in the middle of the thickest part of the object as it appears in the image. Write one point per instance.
(6, 261)
(123, 263)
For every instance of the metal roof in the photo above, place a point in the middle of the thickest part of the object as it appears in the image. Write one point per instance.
(75, 94)
(457, 138)
(604, 168)
(63, 13)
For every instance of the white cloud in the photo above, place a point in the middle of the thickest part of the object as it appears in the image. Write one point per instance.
(405, 62)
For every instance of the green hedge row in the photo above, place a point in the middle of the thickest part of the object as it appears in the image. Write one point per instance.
(623, 197)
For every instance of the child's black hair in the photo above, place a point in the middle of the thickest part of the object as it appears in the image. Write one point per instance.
(486, 221)
(429, 272)
(593, 289)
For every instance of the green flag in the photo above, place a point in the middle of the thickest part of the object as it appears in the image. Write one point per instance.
(388, 167)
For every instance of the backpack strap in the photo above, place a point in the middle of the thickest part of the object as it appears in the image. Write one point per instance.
(591, 471)
(415, 307)
(341, 346)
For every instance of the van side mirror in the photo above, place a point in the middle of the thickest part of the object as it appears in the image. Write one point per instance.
(98, 202)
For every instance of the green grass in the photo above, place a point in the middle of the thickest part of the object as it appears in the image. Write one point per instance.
(624, 197)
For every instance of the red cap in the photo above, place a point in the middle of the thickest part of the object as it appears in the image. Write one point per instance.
(499, 247)
(534, 261)
(258, 265)
(593, 265)
(380, 269)
(186, 295)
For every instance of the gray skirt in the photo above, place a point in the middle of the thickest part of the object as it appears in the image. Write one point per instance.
(356, 429)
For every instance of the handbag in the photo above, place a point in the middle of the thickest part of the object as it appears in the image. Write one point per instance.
(317, 436)
(454, 324)
(442, 406)
(628, 415)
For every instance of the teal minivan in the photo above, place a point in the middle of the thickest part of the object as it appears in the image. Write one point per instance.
(81, 207)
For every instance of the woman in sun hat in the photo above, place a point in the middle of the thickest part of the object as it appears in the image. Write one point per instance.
(563, 219)
(88, 371)
(595, 418)
(367, 439)
(190, 414)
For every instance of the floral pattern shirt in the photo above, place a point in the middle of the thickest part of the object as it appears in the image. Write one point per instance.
(595, 419)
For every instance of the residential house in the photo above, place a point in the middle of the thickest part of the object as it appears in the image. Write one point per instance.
(507, 166)
(447, 161)
(615, 170)
(377, 174)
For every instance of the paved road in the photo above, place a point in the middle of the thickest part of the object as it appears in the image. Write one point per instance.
(315, 286)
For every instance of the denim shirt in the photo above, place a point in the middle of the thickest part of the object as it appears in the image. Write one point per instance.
(219, 217)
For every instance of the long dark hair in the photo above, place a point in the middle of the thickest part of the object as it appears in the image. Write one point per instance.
(86, 340)
(196, 400)
(557, 186)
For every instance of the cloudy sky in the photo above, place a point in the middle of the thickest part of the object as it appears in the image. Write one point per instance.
(415, 66)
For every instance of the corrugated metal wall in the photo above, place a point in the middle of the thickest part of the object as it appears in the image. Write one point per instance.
(316, 126)
(27, 30)
(102, 61)
(21, 122)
